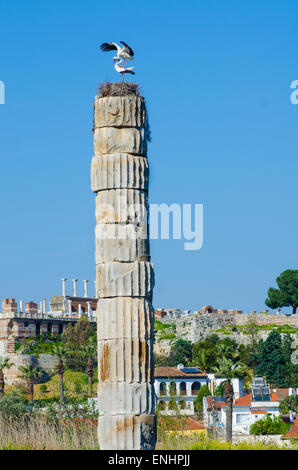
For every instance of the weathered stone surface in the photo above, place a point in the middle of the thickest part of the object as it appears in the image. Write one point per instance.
(124, 275)
(126, 398)
(121, 242)
(119, 170)
(121, 205)
(125, 317)
(123, 140)
(116, 279)
(13, 375)
(127, 432)
(125, 360)
(119, 111)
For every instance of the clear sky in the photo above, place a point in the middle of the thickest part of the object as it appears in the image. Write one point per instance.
(216, 75)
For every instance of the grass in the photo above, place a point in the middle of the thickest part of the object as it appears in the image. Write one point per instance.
(245, 329)
(40, 434)
(212, 444)
(164, 330)
(74, 384)
(159, 326)
(176, 441)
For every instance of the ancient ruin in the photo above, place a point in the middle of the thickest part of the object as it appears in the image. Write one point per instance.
(124, 274)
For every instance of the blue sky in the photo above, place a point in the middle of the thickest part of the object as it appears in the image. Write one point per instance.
(216, 76)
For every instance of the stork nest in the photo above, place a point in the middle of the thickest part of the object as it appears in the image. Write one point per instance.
(119, 89)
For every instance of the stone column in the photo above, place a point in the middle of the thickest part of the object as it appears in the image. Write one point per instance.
(86, 288)
(124, 275)
(64, 286)
(75, 291)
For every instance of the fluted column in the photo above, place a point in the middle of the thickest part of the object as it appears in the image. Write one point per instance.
(124, 275)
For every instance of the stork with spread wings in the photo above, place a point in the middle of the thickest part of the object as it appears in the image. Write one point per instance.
(124, 52)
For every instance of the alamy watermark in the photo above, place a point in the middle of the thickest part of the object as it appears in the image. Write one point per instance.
(294, 94)
(2, 92)
(121, 221)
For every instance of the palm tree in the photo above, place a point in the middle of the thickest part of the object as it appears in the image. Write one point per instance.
(202, 361)
(30, 374)
(60, 351)
(90, 351)
(4, 364)
(228, 369)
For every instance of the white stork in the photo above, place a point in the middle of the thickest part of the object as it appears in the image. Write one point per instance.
(119, 68)
(125, 52)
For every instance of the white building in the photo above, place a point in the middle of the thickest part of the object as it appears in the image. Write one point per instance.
(178, 387)
(246, 410)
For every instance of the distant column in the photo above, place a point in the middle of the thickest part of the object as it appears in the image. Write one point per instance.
(64, 286)
(85, 288)
(75, 294)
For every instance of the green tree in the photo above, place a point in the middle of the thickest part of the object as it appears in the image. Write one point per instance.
(206, 352)
(287, 293)
(30, 374)
(203, 392)
(220, 389)
(289, 404)
(161, 360)
(60, 351)
(269, 426)
(202, 360)
(290, 370)
(181, 353)
(4, 364)
(12, 405)
(227, 348)
(270, 359)
(75, 338)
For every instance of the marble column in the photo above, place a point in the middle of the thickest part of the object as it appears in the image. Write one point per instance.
(124, 275)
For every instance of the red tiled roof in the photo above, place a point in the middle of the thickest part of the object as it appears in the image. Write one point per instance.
(246, 399)
(193, 424)
(243, 401)
(173, 423)
(293, 432)
(217, 404)
(174, 372)
(282, 393)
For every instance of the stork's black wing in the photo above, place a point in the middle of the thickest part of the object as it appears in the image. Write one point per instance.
(131, 52)
(108, 46)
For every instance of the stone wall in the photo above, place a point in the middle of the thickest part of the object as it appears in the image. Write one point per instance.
(45, 361)
(197, 326)
(267, 319)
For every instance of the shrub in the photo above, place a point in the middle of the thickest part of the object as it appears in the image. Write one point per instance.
(269, 426)
(203, 392)
(12, 405)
